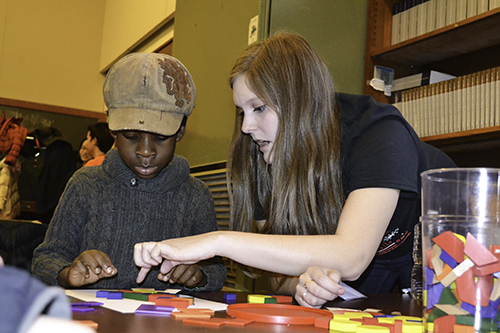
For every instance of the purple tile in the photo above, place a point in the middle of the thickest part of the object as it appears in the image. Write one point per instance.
(446, 258)
(152, 309)
(86, 304)
(82, 308)
(115, 296)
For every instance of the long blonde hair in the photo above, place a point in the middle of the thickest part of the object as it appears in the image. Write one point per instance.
(301, 192)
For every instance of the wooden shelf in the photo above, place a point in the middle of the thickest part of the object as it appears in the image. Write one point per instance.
(464, 37)
(467, 46)
(477, 139)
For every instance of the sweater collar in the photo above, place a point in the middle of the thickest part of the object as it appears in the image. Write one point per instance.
(172, 176)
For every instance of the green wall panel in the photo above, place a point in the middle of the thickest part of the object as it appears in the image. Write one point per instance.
(209, 36)
(335, 28)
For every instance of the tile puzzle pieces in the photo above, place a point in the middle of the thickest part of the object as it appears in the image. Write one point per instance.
(84, 306)
(269, 299)
(360, 321)
(461, 289)
(176, 307)
(164, 303)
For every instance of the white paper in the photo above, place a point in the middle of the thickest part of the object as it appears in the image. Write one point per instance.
(350, 293)
(130, 305)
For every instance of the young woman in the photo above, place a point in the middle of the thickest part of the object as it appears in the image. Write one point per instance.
(332, 181)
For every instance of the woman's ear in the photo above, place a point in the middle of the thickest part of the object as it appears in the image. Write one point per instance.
(180, 133)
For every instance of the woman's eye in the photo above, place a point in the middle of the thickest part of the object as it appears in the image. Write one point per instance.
(260, 108)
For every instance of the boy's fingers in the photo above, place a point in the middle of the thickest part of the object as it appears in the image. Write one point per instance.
(192, 280)
(81, 267)
(177, 272)
(99, 262)
(106, 264)
(188, 275)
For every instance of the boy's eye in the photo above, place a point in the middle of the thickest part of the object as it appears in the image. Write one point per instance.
(130, 136)
(161, 138)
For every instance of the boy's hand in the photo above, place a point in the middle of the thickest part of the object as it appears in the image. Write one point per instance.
(187, 275)
(90, 266)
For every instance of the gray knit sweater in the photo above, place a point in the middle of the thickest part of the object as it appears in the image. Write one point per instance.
(110, 209)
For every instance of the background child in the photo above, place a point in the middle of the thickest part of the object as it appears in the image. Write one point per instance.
(98, 142)
(142, 191)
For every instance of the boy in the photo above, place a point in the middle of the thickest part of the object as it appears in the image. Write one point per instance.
(98, 142)
(142, 191)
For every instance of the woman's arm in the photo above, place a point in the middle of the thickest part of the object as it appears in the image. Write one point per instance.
(364, 219)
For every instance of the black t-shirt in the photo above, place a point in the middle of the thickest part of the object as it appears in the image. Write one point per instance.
(380, 149)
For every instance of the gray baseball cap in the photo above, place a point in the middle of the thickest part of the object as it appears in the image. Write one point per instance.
(148, 92)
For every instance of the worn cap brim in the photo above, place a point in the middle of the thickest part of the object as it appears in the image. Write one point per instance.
(160, 122)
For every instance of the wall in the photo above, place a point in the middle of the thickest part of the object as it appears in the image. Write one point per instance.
(209, 36)
(337, 31)
(50, 52)
(53, 51)
(127, 23)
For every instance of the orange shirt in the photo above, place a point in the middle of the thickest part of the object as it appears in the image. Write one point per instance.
(96, 161)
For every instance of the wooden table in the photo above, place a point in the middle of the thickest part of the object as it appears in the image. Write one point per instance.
(110, 321)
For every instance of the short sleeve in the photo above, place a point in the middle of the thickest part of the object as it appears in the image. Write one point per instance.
(384, 155)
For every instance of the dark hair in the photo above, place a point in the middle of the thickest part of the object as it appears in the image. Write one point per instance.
(100, 131)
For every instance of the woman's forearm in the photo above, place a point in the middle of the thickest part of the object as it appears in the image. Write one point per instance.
(292, 255)
(361, 226)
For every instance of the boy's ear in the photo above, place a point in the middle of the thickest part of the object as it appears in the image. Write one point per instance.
(114, 134)
(180, 133)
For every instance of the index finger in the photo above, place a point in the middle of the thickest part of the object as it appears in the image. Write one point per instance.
(142, 274)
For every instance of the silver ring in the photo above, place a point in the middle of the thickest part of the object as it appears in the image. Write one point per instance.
(304, 295)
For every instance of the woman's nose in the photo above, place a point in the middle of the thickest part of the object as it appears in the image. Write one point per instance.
(248, 125)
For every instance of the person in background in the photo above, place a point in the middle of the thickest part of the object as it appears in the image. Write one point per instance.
(10, 201)
(12, 138)
(141, 191)
(331, 180)
(84, 155)
(59, 164)
(99, 141)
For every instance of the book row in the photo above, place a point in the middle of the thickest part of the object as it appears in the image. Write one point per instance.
(412, 18)
(467, 102)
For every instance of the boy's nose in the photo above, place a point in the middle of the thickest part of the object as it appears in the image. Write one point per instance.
(145, 148)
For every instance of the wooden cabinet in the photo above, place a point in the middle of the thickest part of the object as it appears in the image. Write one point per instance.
(467, 46)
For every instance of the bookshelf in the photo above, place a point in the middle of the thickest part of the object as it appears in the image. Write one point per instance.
(464, 47)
